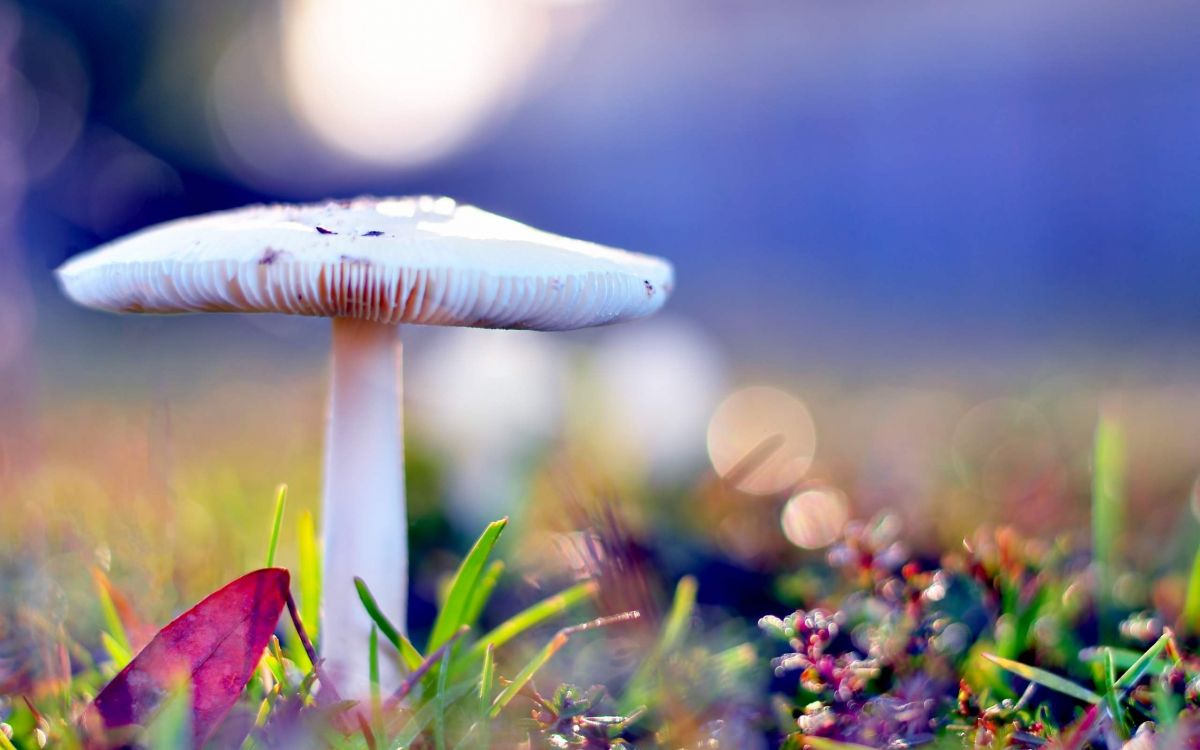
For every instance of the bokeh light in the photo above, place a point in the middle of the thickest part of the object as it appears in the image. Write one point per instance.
(762, 440)
(110, 182)
(245, 93)
(814, 518)
(404, 81)
(46, 95)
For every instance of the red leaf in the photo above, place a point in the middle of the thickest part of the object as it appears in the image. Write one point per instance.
(215, 646)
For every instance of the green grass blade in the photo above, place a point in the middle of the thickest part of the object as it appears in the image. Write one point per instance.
(1142, 665)
(408, 652)
(534, 616)
(736, 660)
(526, 674)
(419, 673)
(439, 698)
(679, 619)
(641, 688)
(373, 672)
(543, 656)
(117, 653)
(481, 727)
(112, 620)
(1108, 495)
(487, 680)
(1123, 658)
(276, 666)
(453, 613)
(265, 706)
(1191, 608)
(276, 524)
(483, 592)
(308, 585)
(309, 573)
(411, 731)
(1111, 697)
(1045, 679)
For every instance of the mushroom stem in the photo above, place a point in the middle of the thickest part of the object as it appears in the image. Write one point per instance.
(365, 523)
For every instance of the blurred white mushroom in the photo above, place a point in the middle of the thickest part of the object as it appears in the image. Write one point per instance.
(657, 384)
(485, 401)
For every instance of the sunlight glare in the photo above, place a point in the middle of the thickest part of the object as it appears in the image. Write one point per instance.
(404, 81)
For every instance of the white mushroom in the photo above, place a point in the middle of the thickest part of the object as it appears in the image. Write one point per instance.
(484, 421)
(369, 264)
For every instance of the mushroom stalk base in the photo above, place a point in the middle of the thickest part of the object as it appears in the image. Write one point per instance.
(364, 519)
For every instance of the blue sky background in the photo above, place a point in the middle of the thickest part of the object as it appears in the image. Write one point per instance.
(838, 184)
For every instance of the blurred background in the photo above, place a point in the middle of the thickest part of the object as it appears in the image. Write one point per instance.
(920, 248)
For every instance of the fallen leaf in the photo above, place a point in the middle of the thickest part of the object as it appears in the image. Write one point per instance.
(214, 646)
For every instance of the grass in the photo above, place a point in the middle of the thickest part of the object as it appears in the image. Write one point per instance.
(276, 525)
(855, 666)
(897, 680)
(1007, 641)
(408, 653)
(431, 700)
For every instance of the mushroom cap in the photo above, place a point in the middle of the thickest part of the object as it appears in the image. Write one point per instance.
(391, 260)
